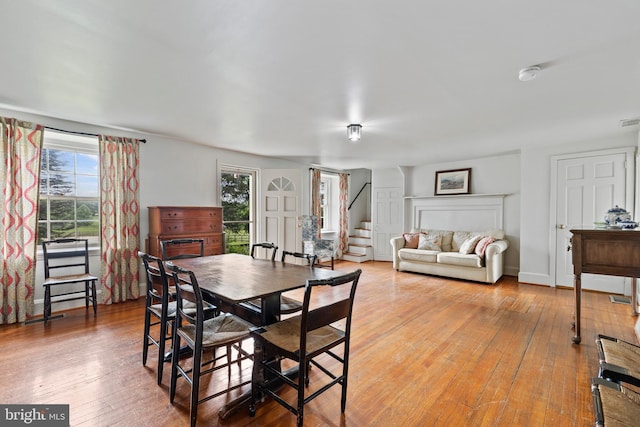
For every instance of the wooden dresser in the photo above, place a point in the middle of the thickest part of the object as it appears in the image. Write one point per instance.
(180, 222)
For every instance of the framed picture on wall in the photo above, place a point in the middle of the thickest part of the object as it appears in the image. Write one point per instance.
(455, 181)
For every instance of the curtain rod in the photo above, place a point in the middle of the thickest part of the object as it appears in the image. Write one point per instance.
(335, 172)
(144, 141)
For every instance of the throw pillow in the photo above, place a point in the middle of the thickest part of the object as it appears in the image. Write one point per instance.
(469, 245)
(411, 240)
(431, 242)
(481, 247)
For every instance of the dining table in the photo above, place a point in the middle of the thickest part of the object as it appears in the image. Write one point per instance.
(230, 280)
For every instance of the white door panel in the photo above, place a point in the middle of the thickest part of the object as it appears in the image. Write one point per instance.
(281, 191)
(587, 186)
(386, 218)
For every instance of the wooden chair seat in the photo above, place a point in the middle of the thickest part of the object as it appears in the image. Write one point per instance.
(615, 405)
(286, 336)
(619, 360)
(69, 278)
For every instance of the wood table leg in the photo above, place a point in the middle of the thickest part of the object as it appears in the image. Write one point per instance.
(634, 296)
(577, 288)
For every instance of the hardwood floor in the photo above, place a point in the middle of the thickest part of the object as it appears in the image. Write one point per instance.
(425, 351)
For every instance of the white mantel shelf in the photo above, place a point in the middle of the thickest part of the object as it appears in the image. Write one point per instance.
(447, 196)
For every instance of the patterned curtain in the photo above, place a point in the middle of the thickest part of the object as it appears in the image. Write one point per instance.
(343, 232)
(315, 195)
(120, 218)
(20, 154)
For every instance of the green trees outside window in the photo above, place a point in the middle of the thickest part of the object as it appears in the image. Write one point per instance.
(69, 198)
(236, 204)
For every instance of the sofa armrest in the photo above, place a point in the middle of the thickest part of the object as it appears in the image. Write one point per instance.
(496, 248)
(397, 243)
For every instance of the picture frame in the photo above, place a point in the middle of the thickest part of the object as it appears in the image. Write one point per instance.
(454, 181)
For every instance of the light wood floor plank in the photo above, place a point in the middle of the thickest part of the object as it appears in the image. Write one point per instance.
(425, 351)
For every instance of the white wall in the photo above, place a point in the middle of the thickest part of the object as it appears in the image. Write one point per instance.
(171, 172)
(491, 175)
(535, 263)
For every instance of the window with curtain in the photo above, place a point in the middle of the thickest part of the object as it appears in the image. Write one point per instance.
(69, 188)
(329, 203)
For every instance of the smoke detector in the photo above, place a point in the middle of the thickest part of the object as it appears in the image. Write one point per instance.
(528, 73)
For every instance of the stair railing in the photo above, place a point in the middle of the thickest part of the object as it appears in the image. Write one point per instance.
(358, 195)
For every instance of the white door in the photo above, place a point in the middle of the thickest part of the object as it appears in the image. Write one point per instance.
(387, 217)
(281, 191)
(587, 186)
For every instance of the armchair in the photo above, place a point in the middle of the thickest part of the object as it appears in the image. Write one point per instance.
(323, 249)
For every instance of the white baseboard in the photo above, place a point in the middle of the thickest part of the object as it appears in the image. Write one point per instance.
(534, 278)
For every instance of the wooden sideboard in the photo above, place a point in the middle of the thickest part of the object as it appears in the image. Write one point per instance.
(179, 222)
(611, 252)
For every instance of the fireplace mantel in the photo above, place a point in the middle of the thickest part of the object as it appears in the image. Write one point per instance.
(465, 212)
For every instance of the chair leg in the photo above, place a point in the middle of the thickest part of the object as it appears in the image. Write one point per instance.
(161, 347)
(302, 380)
(94, 299)
(175, 358)
(47, 303)
(195, 384)
(86, 295)
(345, 372)
(145, 342)
(257, 377)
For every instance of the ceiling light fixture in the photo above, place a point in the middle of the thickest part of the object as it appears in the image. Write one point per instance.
(354, 132)
(528, 73)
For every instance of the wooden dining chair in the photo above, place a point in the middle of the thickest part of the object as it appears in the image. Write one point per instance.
(619, 360)
(181, 248)
(70, 258)
(160, 307)
(287, 305)
(267, 246)
(311, 259)
(204, 337)
(160, 311)
(301, 339)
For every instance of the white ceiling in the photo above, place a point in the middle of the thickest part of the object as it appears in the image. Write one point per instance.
(430, 81)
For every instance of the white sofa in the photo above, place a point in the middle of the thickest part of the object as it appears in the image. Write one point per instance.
(448, 261)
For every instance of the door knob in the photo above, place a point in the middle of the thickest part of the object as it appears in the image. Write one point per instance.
(560, 226)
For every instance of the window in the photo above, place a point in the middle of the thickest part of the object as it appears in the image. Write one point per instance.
(328, 202)
(69, 188)
(236, 196)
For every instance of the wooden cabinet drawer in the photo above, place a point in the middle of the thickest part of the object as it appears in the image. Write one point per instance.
(190, 226)
(175, 222)
(211, 214)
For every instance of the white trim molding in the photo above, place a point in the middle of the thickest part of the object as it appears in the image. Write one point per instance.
(474, 212)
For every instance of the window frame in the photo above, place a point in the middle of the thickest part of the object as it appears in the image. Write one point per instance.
(77, 144)
(330, 205)
(251, 222)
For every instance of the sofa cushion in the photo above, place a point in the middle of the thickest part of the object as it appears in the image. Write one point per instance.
(481, 247)
(411, 240)
(458, 239)
(417, 255)
(446, 237)
(456, 258)
(469, 245)
(431, 242)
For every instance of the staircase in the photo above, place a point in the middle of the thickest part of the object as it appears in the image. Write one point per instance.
(360, 248)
